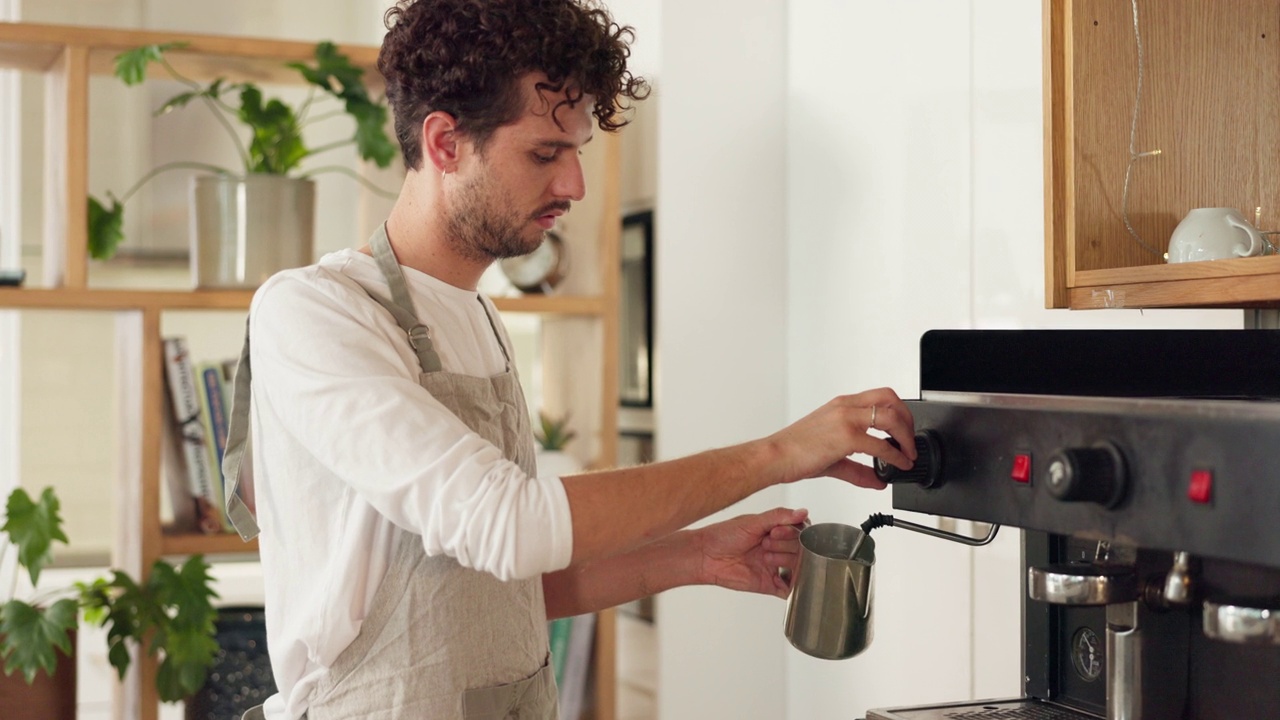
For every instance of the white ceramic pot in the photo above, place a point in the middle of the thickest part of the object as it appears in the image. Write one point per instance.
(556, 463)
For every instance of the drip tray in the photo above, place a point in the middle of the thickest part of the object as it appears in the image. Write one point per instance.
(1019, 709)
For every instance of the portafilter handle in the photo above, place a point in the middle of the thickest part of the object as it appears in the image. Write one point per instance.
(1236, 622)
(1083, 584)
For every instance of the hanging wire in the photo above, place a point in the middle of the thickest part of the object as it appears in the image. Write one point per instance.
(1134, 155)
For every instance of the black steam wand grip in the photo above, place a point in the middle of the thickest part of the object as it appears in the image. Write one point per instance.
(927, 470)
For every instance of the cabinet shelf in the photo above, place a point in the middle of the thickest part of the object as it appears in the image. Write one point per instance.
(1238, 283)
(1210, 74)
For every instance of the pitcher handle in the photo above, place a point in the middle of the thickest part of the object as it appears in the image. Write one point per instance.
(1255, 237)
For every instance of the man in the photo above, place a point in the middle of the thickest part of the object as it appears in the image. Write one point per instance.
(412, 557)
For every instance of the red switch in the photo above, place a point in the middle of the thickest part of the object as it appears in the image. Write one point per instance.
(1021, 468)
(1201, 488)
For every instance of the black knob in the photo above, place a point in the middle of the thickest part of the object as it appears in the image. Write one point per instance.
(927, 470)
(1094, 474)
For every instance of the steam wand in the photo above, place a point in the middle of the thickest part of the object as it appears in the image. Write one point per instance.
(881, 520)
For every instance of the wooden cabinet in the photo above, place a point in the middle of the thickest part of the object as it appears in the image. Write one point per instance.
(67, 57)
(1200, 130)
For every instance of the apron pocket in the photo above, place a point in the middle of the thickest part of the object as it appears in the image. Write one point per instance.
(533, 698)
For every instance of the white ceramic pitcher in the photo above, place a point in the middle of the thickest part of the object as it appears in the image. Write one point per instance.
(1214, 234)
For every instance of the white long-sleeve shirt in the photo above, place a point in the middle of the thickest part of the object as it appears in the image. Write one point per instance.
(347, 445)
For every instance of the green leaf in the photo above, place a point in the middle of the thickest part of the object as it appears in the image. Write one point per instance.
(188, 655)
(94, 601)
(213, 91)
(371, 135)
(184, 626)
(554, 433)
(106, 228)
(30, 635)
(277, 145)
(33, 527)
(131, 65)
(335, 74)
(125, 608)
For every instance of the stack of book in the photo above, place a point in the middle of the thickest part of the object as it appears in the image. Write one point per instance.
(196, 438)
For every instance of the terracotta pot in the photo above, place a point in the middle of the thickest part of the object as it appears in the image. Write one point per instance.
(48, 698)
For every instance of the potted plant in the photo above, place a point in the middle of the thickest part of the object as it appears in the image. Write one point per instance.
(169, 616)
(270, 199)
(553, 434)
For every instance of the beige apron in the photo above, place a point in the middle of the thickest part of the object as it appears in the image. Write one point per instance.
(440, 640)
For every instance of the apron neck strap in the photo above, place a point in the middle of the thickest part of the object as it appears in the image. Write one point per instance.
(401, 305)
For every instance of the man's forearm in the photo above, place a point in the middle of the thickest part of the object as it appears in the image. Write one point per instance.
(616, 511)
(673, 561)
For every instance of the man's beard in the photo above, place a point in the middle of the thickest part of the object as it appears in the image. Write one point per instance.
(485, 227)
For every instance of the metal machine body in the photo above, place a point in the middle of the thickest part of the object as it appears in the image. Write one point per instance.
(1144, 469)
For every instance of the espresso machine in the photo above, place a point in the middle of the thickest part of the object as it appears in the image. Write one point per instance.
(1143, 468)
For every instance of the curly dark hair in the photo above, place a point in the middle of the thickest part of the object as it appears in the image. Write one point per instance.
(466, 57)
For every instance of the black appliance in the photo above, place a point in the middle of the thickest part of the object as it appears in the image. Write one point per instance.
(1144, 470)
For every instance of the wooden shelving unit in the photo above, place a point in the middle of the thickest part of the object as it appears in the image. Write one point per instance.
(67, 56)
(1211, 83)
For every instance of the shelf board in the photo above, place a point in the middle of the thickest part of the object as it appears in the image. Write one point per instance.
(551, 304)
(1239, 282)
(36, 47)
(192, 544)
(89, 299)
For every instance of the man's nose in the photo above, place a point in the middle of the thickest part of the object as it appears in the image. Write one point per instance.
(570, 183)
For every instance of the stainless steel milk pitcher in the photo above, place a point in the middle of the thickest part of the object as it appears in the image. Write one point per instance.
(829, 610)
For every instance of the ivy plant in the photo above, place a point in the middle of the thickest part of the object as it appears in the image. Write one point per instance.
(275, 144)
(170, 615)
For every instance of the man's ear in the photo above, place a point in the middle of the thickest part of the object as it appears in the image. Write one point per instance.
(440, 141)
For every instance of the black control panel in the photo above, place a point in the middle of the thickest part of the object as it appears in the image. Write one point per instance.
(1197, 476)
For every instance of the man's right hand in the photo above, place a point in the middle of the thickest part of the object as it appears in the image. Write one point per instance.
(820, 443)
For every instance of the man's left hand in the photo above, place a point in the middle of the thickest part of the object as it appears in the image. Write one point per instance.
(753, 553)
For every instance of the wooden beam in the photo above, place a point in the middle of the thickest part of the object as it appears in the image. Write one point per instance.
(67, 169)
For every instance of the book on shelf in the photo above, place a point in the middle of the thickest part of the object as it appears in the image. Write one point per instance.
(213, 416)
(188, 432)
(558, 635)
(577, 666)
(174, 471)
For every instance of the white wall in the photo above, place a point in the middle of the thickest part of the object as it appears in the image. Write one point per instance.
(720, 318)
(911, 194)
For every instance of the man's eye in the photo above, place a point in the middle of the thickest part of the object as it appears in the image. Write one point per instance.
(544, 159)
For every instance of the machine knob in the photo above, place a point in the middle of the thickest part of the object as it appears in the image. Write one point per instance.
(927, 471)
(1095, 474)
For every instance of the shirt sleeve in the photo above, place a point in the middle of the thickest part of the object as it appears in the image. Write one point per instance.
(334, 376)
